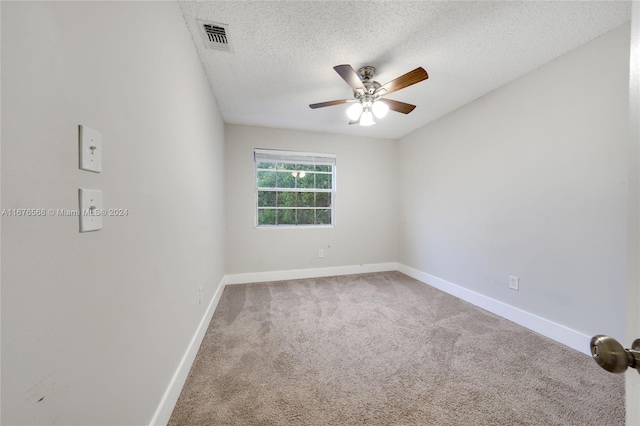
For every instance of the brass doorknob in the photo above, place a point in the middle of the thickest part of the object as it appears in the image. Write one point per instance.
(610, 355)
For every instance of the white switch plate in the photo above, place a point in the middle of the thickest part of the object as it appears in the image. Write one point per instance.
(514, 282)
(90, 201)
(90, 148)
(321, 253)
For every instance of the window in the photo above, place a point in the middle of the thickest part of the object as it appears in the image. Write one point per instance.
(295, 188)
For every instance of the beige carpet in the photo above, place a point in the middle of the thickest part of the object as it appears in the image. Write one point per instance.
(383, 349)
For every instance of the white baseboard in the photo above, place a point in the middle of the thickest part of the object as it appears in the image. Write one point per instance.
(170, 397)
(296, 274)
(550, 329)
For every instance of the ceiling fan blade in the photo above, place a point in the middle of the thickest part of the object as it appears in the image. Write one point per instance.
(330, 103)
(398, 106)
(406, 80)
(354, 121)
(349, 75)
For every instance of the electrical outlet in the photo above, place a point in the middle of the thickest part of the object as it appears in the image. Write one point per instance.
(320, 253)
(514, 283)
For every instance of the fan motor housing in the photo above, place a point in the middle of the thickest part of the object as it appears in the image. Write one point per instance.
(370, 87)
(366, 72)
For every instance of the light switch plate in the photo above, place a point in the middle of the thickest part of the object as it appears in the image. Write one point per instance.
(90, 201)
(90, 148)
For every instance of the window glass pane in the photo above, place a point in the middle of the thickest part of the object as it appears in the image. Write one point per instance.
(287, 217)
(323, 181)
(285, 166)
(323, 168)
(306, 167)
(286, 180)
(305, 181)
(323, 217)
(306, 199)
(266, 179)
(266, 165)
(286, 199)
(323, 199)
(266, 199)
(305, 216)
(266, 217)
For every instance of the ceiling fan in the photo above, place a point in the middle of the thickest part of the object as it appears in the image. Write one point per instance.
(368, 94)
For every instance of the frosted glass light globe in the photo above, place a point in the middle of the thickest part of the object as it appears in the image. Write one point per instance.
(354, 111)
(366, 119)
(380, 109)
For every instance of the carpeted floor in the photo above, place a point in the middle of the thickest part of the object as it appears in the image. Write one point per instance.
(383, 349)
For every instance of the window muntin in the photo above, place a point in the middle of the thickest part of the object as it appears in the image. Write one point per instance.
(294, 188)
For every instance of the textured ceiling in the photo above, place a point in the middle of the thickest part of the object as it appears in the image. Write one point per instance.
(284, 53)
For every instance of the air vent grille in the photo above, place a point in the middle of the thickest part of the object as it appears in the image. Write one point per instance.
(215, 35)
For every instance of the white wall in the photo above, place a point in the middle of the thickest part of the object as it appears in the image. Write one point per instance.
(366, 211)
(530, 180)
(94, 324)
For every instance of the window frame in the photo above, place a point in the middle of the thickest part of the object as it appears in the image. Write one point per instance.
(295, 158)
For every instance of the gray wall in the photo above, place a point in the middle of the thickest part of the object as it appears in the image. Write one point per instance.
(94, 325)
(366, 211)
(530, 180)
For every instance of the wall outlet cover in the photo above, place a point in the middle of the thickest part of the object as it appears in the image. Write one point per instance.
(514, 282)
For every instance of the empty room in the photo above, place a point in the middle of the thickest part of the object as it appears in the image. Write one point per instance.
(320, 213)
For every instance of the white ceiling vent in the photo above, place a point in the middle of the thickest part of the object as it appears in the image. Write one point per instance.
(215, 35)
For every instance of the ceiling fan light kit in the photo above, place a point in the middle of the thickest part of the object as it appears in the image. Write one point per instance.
(366, 119)
(367, 94)
(354, 111)
(380, 109)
